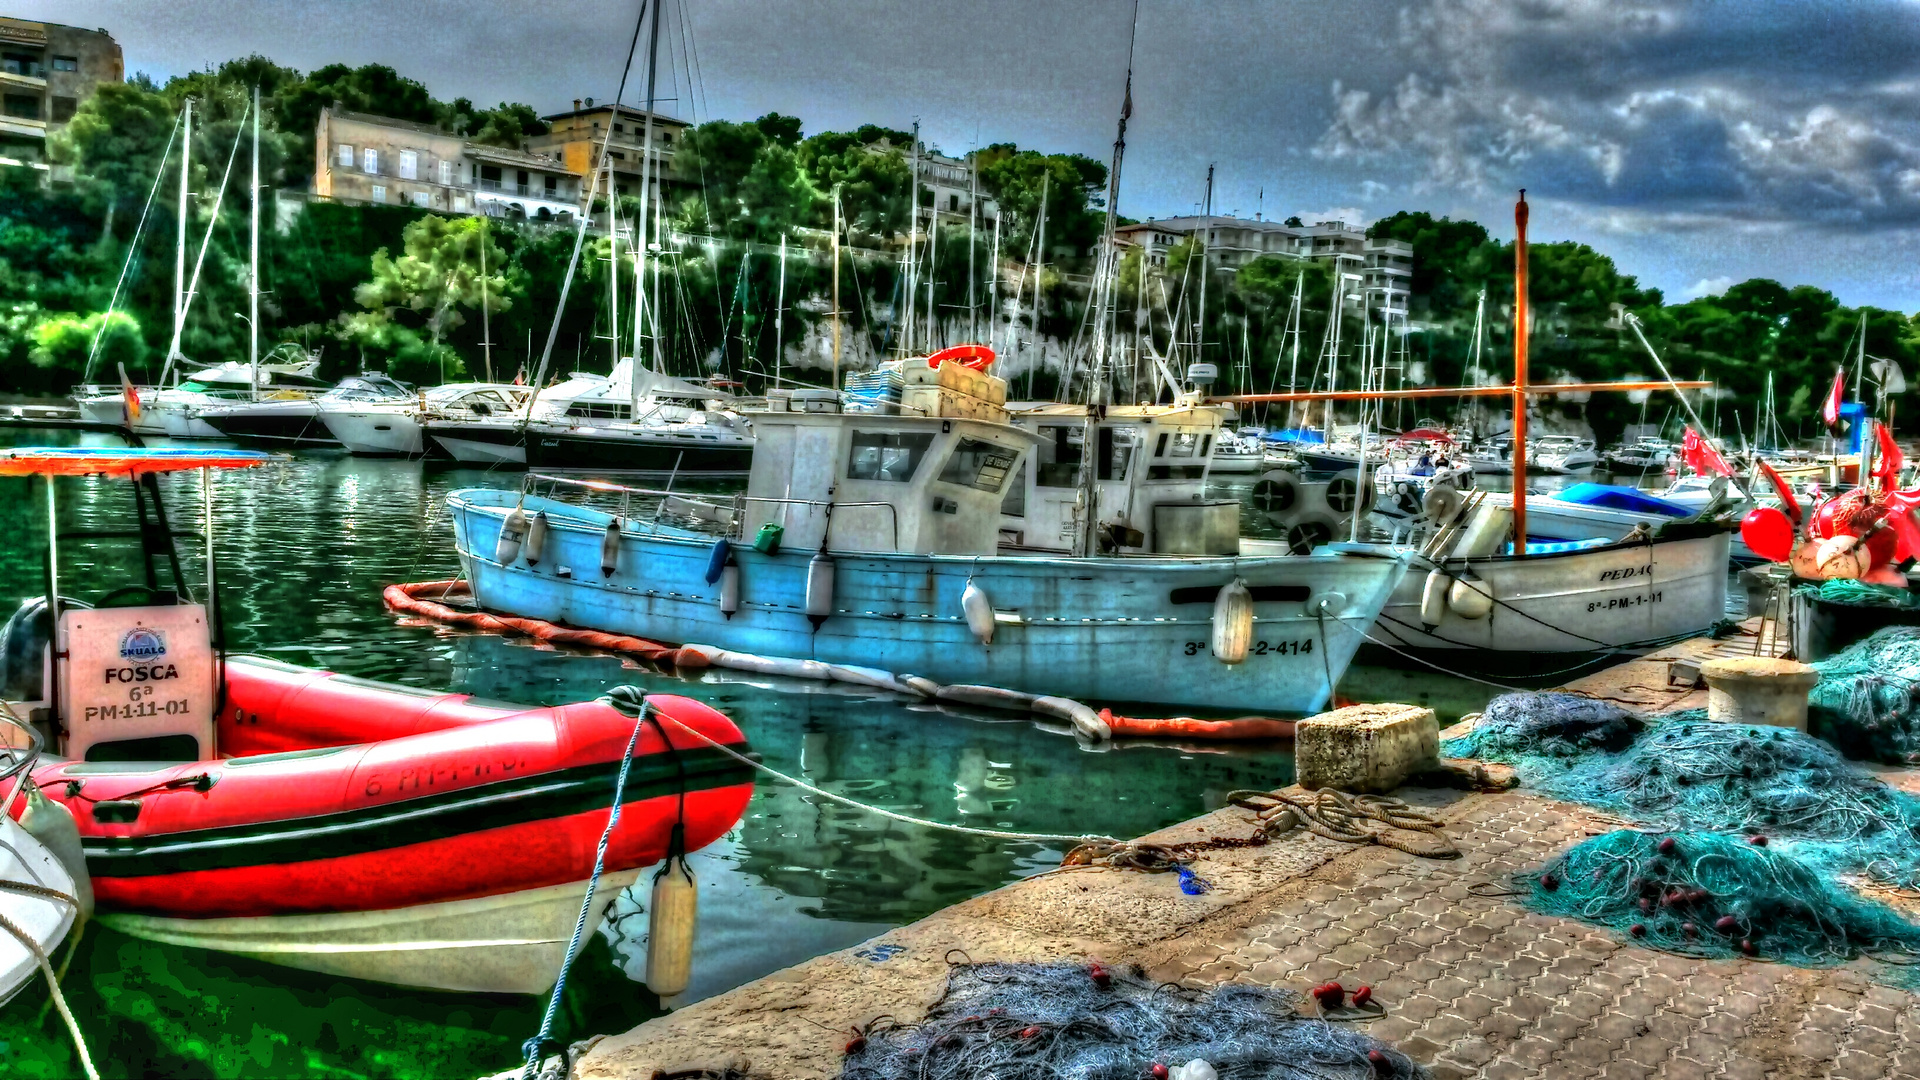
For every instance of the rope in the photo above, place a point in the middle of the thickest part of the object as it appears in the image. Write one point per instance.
(1340, 816)
(46, 966)
(968, 830)
(536, 1046)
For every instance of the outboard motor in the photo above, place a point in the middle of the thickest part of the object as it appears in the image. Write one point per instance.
(25, 639)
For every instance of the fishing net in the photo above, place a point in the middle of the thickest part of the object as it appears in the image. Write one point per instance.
(1709, 894)
(1685, 772)
(1549, 723)
(1868, 700)
(1862, 594)
(1076, 1022)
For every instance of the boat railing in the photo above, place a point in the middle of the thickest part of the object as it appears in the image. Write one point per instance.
(727, 516)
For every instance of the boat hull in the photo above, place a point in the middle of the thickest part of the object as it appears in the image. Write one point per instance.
(285, 424)
(603, 449)
(25, 860)
(1623, 598)
(480, 443)
(508, 944)
(1124, 629)
(376, 432)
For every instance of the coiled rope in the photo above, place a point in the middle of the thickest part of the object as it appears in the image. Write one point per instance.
(46, 965)
(1337, 815)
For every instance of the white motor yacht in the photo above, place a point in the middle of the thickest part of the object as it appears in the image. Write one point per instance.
(283, 420)
(393, 428)
(1562, 454)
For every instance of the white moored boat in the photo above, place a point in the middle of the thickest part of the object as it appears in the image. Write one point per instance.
(392, 428)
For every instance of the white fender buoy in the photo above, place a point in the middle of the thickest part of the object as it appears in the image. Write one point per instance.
(729, 588)
(979, 612)
(819, 587)
(537, 538)
(52, 824)
(512, 532)
(610, 548)
(1433, 598)
(1233, 622)
(1470, 598)
(674, 908)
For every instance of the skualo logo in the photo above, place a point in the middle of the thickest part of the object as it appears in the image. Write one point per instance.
(141, 643)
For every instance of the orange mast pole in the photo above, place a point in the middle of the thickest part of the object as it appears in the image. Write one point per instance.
(1520, 375)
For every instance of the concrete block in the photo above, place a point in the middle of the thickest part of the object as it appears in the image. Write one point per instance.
(1759, 690)
(1365, 748)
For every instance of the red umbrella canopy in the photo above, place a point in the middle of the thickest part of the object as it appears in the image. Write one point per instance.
(121, 461)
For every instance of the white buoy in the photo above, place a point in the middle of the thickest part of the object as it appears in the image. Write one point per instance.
(537, 538)
(729, 589)
(979, 612)
(674, 908)
(820, 587)
(1233, 622)
(1433, 598)
(1197, 1069)
(610, 548)
(52, 824)
(512, 532)
(1470, 598)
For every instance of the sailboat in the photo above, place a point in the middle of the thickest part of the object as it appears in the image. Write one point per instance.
(1484, 595)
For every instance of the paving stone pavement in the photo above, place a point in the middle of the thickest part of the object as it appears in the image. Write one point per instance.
(1474, 984)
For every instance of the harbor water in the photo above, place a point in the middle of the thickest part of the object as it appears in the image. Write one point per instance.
(305, 546)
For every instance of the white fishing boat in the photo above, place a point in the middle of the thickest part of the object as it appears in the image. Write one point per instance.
(392, 428)
(1237, 455)
(38, 894)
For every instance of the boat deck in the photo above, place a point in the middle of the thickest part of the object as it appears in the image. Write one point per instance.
(1473, 985)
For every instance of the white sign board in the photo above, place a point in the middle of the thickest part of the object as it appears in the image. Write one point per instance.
(136, 673)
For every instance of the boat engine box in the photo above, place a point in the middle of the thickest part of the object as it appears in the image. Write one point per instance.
(136, 683)
(1197, 528)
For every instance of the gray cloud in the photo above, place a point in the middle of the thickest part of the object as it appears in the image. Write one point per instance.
(1714, 113)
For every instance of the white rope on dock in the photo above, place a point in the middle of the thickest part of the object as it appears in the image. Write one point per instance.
(968, 830)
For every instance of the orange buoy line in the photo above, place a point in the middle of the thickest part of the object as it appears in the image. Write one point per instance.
(423, 598)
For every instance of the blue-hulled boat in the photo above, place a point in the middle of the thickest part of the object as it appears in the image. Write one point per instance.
(886, 524)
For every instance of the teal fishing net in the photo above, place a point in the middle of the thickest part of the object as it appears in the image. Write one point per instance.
(1715, 895)
(1076, 1022)
(1548, 723)
(1688, 773)
(1867, 703)
(1863, 594)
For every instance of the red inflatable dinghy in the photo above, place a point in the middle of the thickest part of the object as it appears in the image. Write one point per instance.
(385, 833)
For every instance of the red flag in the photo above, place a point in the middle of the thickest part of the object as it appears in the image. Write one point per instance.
(1830, 412)
(1900, 508)
(520, 377)
(1781, 489)
(130, 398)
(1701, 457)
(1886, 466)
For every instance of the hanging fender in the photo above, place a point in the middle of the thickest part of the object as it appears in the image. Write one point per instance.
(819, 588)
(512, 533)
(1470, 598)
(717, 559)
(537, 538)
(674, 908)
(1233, 622)
(1433, 597)
(979, 612)
(610, 548)
(730, 588)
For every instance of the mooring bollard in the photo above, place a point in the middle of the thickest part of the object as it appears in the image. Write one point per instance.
(1759, 690)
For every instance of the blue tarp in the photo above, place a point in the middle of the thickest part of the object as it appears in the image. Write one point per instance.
(1621, 497)
(1296, 435)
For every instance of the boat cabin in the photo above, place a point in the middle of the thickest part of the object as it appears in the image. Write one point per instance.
(923, 485)
(1150, 472)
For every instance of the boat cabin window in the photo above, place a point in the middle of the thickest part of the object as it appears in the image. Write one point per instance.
(600, 410)
(887, 455)
(1057, 458)
(979, 464)
(1188, 448)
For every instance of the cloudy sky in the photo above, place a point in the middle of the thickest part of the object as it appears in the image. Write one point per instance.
(1699, 143)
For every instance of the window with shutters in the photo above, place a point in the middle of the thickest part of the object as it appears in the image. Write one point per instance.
(446, 173)
(379, 191)
(409, 165)
(343, 156)
(370, 161)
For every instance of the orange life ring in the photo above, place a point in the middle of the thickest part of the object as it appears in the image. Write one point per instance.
(977, 357)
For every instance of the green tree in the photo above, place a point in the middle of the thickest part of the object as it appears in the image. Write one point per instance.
(414, 301)
(115, 140)
(1075, 188)
(62, 343)
(874, 182)
(508, 124)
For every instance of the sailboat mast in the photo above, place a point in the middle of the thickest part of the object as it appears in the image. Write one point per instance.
(835, 246)
(486, 317)
(1039, 265)
(646, 193)
(973, 234)
(613, 275)
(912, 286)
(780, 313)
(1203, 236)
(253, 259)
(1520, 326)
(180, 240)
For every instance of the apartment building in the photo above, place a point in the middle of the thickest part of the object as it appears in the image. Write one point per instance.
(575, 138)
(950, 181)
(1381, 269)
(46, 71)
(360, 158)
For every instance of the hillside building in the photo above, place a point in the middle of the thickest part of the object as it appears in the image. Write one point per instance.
(364, 159)
(1382, 268)
(575, 138)
(46, 71)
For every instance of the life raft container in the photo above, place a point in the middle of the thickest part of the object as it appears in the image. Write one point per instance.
(346, 795)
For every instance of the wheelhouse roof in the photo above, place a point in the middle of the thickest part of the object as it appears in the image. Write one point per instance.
(121, 461)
